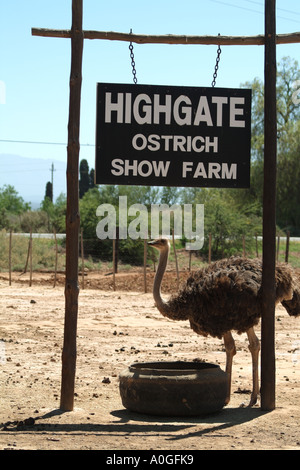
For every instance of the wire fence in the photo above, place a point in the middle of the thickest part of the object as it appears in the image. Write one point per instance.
(45, 253)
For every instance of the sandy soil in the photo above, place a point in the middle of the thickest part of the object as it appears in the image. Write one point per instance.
(115, 329)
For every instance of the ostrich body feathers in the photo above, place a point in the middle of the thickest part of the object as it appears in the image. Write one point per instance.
(226, 295)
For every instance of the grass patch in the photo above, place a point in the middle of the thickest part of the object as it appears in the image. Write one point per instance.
(293, 252)
(44, 254)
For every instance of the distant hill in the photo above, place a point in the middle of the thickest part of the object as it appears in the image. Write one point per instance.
(29, 177)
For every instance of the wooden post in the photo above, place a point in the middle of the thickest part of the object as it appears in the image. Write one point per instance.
(278, 246)
(114, 263)
(116, 259)
(176, 262)
(269, 215)
(56, 256)
(9, 256)
(82, 259)
(72, 217)
(30, 259)
(145, 265)
(27, 259)
(258, 40)
(209, 249)
(256, 246)
(287, 247)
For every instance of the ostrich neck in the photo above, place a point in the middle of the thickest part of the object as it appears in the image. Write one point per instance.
(173, 308)
(162, 264)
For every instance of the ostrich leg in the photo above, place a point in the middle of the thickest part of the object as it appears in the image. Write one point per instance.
(254, 348)
(230, 352)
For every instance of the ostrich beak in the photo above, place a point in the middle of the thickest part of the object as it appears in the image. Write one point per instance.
(159, 243)
(155, 243)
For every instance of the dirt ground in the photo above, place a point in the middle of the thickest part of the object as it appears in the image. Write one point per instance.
(116, 328)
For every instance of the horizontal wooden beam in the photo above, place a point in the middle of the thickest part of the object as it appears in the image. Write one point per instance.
(170, 38)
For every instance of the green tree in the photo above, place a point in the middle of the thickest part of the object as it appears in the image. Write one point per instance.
(56, 213)
(288, 126)
(288, 112)
(226, 219)
(84, 179)
(170, 195)
(49, 191)
(60, 211)
(11, 202)
(37, 221)
(129, 251)
(12, 205)
(288, 188)
(92, 178)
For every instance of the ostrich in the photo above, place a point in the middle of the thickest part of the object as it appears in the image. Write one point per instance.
(225, 296)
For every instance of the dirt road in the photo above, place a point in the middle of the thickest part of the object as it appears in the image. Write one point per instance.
(115, 329)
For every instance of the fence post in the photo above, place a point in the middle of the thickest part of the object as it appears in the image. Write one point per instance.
(256, 245)
(287, 247)
(114, 263)
(55, 268)
(82, 259)
(30, 258)
(177, 271)
(9, 256)
(27, 259)
(145, 265)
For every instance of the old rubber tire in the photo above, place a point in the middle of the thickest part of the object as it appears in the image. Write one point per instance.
(173, 388)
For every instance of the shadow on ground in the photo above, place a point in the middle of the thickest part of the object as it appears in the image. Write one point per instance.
(127, 422)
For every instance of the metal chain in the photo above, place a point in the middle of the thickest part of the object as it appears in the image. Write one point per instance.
(132, 61)
(213, 83)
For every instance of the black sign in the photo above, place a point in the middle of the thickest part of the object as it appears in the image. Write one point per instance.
(173, 136)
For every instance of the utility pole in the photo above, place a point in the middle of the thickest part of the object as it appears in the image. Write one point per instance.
(52, 171)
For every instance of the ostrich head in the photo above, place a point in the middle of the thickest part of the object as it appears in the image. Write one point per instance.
(293, 306)
(160, 244)
(163, 246)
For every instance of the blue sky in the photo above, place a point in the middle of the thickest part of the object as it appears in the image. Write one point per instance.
(34, 71)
